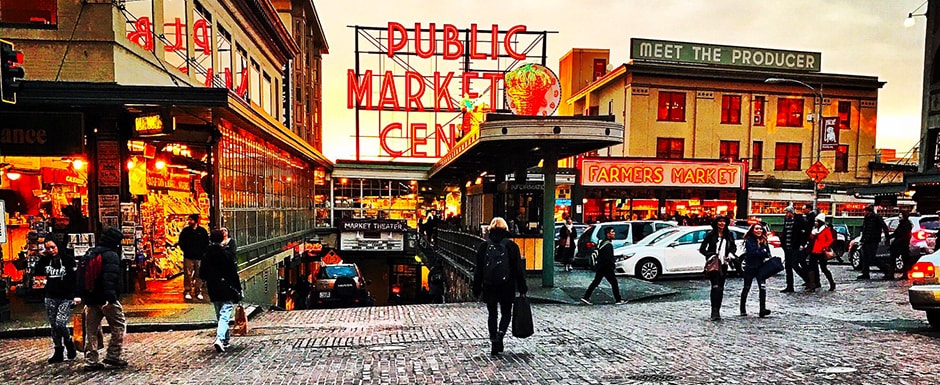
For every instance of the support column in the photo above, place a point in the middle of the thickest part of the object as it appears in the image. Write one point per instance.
(549, 170)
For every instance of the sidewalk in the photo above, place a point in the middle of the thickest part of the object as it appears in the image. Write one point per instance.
(570, 287)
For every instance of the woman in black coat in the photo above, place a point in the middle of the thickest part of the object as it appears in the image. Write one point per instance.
(500, 291)
(59, 269)
(719, 243)
(566, 241)
(219, 272)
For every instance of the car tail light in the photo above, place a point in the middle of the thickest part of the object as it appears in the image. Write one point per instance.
(590, 245)
(922, 270)
(775, 242)
(920, 235)
(396, 289)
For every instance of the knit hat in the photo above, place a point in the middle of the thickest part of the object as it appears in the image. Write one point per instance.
(790, 209)
(111, 237)
(821, 217)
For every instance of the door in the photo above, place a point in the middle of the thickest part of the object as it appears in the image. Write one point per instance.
(682, 256)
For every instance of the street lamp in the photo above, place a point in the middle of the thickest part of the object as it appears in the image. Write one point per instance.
(817, 114)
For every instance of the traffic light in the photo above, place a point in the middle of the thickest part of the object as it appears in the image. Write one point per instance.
(10, 61)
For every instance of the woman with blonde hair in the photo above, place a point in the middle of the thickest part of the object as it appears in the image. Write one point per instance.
(499, 273)
(756, 251)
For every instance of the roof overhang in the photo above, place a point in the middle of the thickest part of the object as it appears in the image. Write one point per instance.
(881, 189)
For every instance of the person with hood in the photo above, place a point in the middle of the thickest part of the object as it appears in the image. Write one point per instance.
(495, 289)
(229, 243)
(792, 240)
(219, 272)
(756, 251)
(604, 268)
(59, 269)
(103, 301)
(718, 243)
(820, 239)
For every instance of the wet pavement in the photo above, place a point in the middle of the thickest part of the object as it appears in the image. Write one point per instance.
(862, 333)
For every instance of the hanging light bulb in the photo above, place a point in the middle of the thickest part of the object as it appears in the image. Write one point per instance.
(131, 164)
(13, 175)
(78, 164)
(909, 22)
(160, 164)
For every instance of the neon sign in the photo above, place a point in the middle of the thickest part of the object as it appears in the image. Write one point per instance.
(621, 172)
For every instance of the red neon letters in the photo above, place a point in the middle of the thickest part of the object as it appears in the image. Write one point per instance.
(398, 40)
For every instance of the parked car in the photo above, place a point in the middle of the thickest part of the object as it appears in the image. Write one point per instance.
(673, 252)
(924, 293)
(772, 237)
(923, 241)
(626, 232)
(340, 285)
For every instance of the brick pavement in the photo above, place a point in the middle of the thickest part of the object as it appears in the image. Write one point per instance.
(865, 325)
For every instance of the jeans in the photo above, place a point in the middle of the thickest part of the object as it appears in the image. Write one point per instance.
(223, 313)
(191, 282)
(793, 263)
(869, 249)
(114, 313)
(59, 312)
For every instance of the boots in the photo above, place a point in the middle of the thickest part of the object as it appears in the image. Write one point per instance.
(763, 304)
(717, 296)
(57, 356)
(813, 282)
(832, 282)
(70, 349)
(497, 343)
(743, 303)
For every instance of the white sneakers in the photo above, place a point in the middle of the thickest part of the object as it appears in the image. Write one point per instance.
(219, 346)
(187, 296)
(200, 297)
(585, 301)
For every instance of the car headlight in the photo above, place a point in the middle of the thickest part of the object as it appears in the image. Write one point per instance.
(624, 257)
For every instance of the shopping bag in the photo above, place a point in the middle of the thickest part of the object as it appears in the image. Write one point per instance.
(78, 330)
(522, 318)
(770, 268)
(241, 322)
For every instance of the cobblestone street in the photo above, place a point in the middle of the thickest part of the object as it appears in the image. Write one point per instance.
(863, 333)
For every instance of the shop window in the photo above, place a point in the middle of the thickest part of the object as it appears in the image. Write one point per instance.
(671, 106)
(223, 50)
(842, 158)
(729, 150)
(202, 45)
(845, 115)
(787, 157)
(670, 148)
(241, 72)
(254, 85)
(593, 111)
(759, 106)
(174, 31)
(757, 156)
(33, 12)
(790, 112)
(731, 109)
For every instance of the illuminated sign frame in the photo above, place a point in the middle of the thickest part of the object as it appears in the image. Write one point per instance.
(614, 172)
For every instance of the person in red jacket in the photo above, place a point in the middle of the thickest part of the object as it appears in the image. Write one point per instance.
(820, 239)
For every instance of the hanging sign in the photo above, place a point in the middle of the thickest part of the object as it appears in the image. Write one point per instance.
(829, 137)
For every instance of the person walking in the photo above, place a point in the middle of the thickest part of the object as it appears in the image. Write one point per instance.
(872, 228)
(792, 239)
(820, 240)
(102, 301)
(901, 245)
(193, 240)
(498, 275)
(566, 241)
(59, 270)
(719, 243)
(228, 243)
(219, 272)
(604, 268)
(756, 251)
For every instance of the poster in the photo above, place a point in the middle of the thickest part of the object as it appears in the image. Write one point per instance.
(829, 137)
(109, 164)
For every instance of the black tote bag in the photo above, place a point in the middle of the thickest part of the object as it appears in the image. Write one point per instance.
(522, 318)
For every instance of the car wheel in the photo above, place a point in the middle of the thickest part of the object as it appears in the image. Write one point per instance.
(855, 258)
(648, 269)
(933, 317)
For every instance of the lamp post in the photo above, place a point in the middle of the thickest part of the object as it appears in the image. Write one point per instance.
(817, 115)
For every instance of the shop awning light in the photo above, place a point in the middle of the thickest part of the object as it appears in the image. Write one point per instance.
(160, 165)
(78, 164)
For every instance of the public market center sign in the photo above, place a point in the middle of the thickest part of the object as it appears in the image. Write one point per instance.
(724, 55)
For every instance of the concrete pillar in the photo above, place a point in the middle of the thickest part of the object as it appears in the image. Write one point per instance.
(549, 170)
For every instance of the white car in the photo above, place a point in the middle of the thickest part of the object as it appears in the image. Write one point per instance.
(924, 293)
(671, 253)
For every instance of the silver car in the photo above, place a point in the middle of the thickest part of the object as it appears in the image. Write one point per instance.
(924, 293)
(923, 241)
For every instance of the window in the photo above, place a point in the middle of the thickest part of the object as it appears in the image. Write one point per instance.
(759, 103)
(139, 27)
(254, 85)
(671, 106)
(267, 102)
(842, 158)
(34, 12)
(845, 115)
(174, 31)
(787, 156)
(224, 51)
(202, 45)
(790, 112)
(757, 156)
(241, 75)
(670, 148)
(730, 150)
(731, 109)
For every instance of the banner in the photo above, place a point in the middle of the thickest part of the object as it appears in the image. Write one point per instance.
(829, 137)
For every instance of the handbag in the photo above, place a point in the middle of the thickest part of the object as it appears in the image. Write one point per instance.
(78, 331)
(713, 266)
(829, 254)
(241, 322)
(769, 268)
(522, 326)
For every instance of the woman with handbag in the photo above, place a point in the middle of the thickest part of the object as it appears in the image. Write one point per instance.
(566, 242)
(756, 252)
(718, 248)
(219, 272)
(499, 273)
(820, 239)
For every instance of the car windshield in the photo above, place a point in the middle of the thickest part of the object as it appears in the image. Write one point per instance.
(929, 223)
(340, 271)
(664, 233)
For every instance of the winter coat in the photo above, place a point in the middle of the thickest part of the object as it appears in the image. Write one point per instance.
(709, 246)
(219, 272)
(605, 255)
(901, 239)
(872, 227)
(798, 233)
(755, 253)
(109, 283)
(566, 237)
(820, 240)
(516, 270)
(193, 242)
(60, 275)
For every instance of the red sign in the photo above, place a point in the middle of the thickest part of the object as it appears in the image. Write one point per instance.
(656, 173)
(817, 172)
(331, 258)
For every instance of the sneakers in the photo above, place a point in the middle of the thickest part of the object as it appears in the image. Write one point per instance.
(219, 346)
(863, 276)
(93, 367)
(200, 297)
(116, 362)
(620, 302)
(187, 296)
(585, 301)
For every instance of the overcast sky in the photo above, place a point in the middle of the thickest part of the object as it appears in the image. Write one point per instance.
(858, 37)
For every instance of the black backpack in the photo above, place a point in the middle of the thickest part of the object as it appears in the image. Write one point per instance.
(496, 264)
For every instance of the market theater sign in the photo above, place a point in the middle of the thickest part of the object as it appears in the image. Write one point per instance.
(654, 173)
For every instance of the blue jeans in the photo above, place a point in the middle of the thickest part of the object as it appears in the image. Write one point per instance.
(223, 313)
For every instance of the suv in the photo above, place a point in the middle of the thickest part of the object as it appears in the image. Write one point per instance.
(625, 233)
(340, 285)
(923, 241)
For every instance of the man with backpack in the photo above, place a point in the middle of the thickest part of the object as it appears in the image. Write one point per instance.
(499, 273)
(604, 268)
(99, 283)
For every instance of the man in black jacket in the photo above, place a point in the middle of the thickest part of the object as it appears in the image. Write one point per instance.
(900, 245)
(792, 240)
(103, 301)
(193, 240)
(872, 228)
(604, 268)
